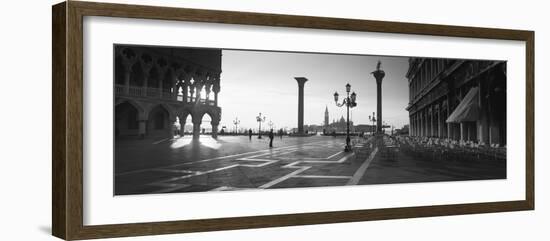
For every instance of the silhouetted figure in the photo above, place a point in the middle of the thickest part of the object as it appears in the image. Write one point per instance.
(250, 134)
(271, 138)
(281, 133)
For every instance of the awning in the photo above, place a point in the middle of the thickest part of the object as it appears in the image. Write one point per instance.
(468, 109)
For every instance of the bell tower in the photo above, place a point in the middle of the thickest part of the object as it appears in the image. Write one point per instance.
(326, 117)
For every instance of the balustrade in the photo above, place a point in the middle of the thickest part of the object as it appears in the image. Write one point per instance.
(157, 93)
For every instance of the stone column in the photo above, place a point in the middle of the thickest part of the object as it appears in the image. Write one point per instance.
(439, 123)
(301, 82)
(146, 73)
(161, 87)
(191, 92)
(182, 126)
(431, 121)
(196, 128)
(216, 89)
(379, 76)
(142, 128)
(129, 58)
(462, 131)
(145, 83)
(127, 71)
(416, 121)
(426, 123)
(416, 124)
(162, 75)
(184, 90)
(198, 89)
(215, 129)
(420, 124)
(428, 126)
(411, 126)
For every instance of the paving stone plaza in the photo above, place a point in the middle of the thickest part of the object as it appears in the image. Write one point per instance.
(235, 162)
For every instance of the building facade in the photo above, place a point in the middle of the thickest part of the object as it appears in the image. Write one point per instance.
(157, 89)
(458, 99)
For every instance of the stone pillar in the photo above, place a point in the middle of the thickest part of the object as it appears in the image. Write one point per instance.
(198, 89)
(410, 125)
(462, 131)
(161, 87)
(483, 123)
(426, 123)
(184, 90)
(440, 123)
(142, 128)
(182, 126)
(127, 72)
(175, 89)
(413, 125)
(431, 122)
(196, 129)
(379, 76)
(416, 124)
(420, 124)
(494, 135)
(428, 126)
(145, 83)
(301, 81)
(216, 89)
(215, 129)
(146, 66)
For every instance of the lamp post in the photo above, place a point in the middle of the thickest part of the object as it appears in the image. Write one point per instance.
(260, 119)
(236, 122)
(349, 102)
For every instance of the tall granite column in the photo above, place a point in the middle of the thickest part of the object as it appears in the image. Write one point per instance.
(379, 75)
(301, 82)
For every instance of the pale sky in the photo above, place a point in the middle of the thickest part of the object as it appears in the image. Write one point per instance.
(262, 81)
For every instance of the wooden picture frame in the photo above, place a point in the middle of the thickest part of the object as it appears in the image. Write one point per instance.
(67, 124)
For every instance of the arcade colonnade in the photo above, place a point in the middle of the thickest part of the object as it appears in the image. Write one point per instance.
(458, 100)
(156, 87)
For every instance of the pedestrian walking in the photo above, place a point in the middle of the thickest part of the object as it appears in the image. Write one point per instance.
(281, 133)
(250, 134)
(271, 138)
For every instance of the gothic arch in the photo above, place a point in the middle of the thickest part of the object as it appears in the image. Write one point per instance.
(166, 107)
(135, 104)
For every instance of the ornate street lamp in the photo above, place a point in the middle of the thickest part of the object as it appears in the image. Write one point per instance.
(349, 102)
(260, 119)
(236, 122)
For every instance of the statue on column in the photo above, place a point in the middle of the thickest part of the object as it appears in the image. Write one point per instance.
(379, 75)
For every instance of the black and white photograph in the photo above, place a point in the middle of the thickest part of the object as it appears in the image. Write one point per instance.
(202, 119)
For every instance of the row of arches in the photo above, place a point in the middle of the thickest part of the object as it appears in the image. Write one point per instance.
(137, 73)
(134, 120)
